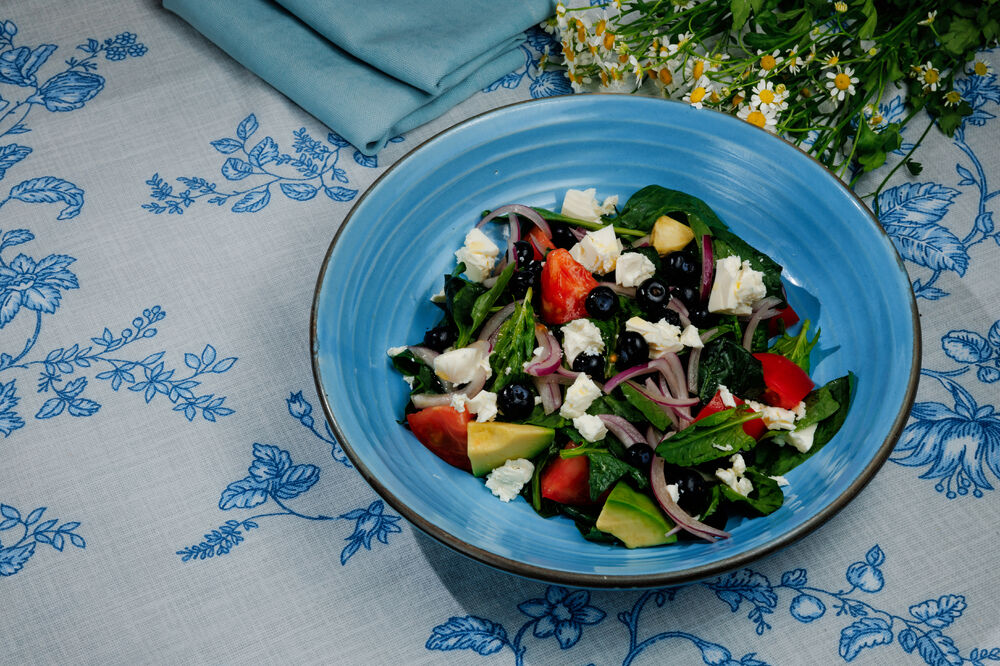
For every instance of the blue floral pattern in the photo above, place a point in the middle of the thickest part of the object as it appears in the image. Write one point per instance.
(272, 477)
(313, 168)
(540, 83)
(34, 531)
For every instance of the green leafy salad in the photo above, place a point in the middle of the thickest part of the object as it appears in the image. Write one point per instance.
(633, 369)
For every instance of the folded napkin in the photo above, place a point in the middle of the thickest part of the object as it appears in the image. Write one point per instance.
(370, 70)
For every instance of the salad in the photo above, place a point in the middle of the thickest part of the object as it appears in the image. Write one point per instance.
(632, 369)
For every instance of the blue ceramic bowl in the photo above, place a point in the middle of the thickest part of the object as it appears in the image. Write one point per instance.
(388, 258)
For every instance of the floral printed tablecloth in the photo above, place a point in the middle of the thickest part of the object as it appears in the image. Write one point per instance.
(169, 491)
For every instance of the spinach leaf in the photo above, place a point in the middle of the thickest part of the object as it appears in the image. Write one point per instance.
(515, 344)
(585, 520)
(607, 404)
(766, 496)
(699, 441)
(796, 348)
(609, 334)
(424, 379)
(723, 361)
(645, 206)
(538, 417)
(460, 298)
(714, 502)
(482, 305)
(541, 460)
(653, 413)
(775, 459)
(605, 469)
(586, 224)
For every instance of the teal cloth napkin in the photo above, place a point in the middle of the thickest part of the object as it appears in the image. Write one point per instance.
(370, 70)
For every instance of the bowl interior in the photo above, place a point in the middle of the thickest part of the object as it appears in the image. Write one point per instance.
(841, 272)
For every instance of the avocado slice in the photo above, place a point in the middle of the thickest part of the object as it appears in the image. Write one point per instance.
(634, 518)
(493, 443)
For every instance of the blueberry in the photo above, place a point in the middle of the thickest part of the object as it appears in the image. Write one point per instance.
(632, 350)
(692, 491)
(671, 316)
(688, 295)
(702, 318)
(562, 236)
(639, 455)
(439, 338)
(592, 364)
(601, 303)
(519, 283)
(681, 268)
(523, 253)
(534, 267)
(515, 401)
(653, 296)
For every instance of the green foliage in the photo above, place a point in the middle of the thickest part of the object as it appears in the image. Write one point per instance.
(700, 441)
(724, 361)
(796, 348)
(514, 346)
(606, 469)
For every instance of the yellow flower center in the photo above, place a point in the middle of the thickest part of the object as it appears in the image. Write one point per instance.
(832, 60)
(698, 94)
(568, 52)
(842, 81)
(953, 97)
(757, 118)
(599, 30)
(876, 120)
(737, 99)
(931, 75)
(581, 32)
(623, 58)
(980, 68)
(714, 97)
(766, 96)
(666, 78)
(780, 88)
(841, 7)
(698, 69)
(604, 78)
(609, 40)
(767, 62)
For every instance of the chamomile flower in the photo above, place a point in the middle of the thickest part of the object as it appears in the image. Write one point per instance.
(665, 78)
(695, 68)
(930, 77)
(794, 62)
(841, 84)
(684, 38)
(831, 60)
(700, 92)
(930, 18)
(763, 118)
(840, 7)
(981, 68)
(766, 98)
(952, 98)
(768, 61)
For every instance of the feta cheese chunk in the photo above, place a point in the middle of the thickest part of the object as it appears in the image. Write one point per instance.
(598, 251)
(674, 492)
(591, 427)
(484, 406)
(690, 337)
(799, 410)
(395, 351)
(579, 397)
(662, 337)
(727, 397)
(439, 297)
(506, 482)
(479, 254)
(736, 287)
(801, 439)
(581, 336)
(582, 205)
(775, 418)
(459, 366)
(633, 268)
(733, 477)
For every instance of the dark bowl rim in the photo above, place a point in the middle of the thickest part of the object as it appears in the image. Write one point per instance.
(586, 580)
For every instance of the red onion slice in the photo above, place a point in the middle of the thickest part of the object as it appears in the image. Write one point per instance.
(551, 357)
(658, 482)
(675, 304)
(548, 391)
(641, 369)
(668, 410)
(519, 209)
(653, 436)
(707, 267)
(578, 232)
(622, 429)
(762, 309)
(424, 400)
(642, 241)
(425, 354)
(492, 325)
(654, 394)
(692, 371)
(618, 289)
(675, 378)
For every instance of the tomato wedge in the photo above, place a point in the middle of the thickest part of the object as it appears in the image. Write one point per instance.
(787, 384)
(786, 315)
(538, 239)
(565, 285)
(567, 480)
(442, 430)
(755, 428)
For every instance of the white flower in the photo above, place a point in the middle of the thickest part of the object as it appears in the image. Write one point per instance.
(930, 18)
(930, 76)
(761, 117)
(768, 61)
(841, 84)
(699, 92)
(767, 98)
